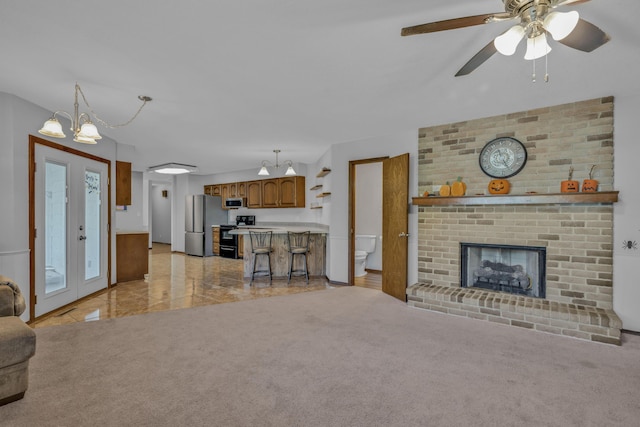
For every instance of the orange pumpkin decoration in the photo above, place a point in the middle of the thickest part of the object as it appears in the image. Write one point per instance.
(590, 185)
(569, 185)
(445, 190)
(425, 194)
(499, 186)
(458, 188)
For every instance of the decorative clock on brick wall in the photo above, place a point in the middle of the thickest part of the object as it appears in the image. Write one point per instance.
(503, 157)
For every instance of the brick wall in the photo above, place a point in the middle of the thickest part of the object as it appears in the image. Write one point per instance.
(578, 238)
(576, 135)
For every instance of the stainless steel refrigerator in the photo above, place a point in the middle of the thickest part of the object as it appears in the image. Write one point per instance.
(201, 212)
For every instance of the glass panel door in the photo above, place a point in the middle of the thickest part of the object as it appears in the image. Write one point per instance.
(55, 207)
(71, 246)
(92, 220)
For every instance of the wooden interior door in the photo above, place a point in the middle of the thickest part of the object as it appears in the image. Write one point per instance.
(395, 225)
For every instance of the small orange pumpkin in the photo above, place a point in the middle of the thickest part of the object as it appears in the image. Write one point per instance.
(589, 185)
(445, 190)
(425, 194)
(499, 186)
(458, 188)
(569, 186)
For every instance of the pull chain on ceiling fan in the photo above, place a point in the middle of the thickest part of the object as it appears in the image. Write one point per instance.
(537, 20)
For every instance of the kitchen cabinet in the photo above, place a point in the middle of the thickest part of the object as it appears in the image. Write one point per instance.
(123, 183)
(242, 189)
(224, 192)
(240, 246)
(285, 192)
(254, 194)
(216, 240)
(270, 193)
(132, 256)
(291, 192)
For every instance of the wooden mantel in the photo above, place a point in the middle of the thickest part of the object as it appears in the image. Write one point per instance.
(519, 199)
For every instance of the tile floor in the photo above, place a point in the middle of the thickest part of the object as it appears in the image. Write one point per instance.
(179, 281)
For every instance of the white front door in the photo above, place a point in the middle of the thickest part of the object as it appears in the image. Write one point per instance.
(71, 213)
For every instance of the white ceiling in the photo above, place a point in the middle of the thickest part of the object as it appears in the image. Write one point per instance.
(232, 80)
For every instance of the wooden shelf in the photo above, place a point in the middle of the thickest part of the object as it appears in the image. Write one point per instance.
(316, 187)
(323, 172)
(519, 199)
(325, 194)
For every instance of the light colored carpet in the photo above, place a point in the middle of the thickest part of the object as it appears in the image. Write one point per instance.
(340, 357)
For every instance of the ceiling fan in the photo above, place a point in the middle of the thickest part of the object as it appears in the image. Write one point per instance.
(537, 19)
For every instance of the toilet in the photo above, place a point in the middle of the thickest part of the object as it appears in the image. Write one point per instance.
(365, 244)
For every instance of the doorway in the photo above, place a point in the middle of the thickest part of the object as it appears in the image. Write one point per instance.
(394, 241)
(69, 214)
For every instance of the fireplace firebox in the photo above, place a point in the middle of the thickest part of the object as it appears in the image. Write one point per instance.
(516, 270)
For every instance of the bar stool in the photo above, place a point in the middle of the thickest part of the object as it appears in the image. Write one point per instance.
(261, 245)
(298, 245)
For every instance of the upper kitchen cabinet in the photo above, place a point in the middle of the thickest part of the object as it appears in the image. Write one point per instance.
(287, 192)
(242, 189)
(123, 183)
(292, 191)
(254, 194)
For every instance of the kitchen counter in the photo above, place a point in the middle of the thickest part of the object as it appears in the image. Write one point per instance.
(280, 256)
(282, 228)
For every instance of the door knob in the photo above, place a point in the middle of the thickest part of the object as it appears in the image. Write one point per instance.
(403, 234)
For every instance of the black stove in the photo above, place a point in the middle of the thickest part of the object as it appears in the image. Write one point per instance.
(228, 241)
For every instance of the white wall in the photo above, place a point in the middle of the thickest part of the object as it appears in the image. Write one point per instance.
(132, 219)
(19, 119)
(369, 208)
(626, 218)
(341, 154)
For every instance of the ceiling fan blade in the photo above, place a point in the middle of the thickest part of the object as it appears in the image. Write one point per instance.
(566, 2)
(585, 37)
(451, 24)
(478, 59)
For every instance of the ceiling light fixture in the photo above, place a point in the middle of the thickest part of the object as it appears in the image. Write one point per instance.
(173, 168)
(558, 24)
(263, 170)
(84, 131)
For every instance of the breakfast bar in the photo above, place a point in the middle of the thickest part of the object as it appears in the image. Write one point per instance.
(280, 256)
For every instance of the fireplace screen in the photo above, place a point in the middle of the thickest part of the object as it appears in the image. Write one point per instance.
(517, 270)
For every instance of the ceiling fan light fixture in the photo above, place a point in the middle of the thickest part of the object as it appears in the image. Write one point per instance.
(560, 24)
(537, 47)
(507, 42)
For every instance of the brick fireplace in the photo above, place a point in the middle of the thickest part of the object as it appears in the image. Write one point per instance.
(576, 233)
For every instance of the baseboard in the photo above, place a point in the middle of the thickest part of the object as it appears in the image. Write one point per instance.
(369, 270)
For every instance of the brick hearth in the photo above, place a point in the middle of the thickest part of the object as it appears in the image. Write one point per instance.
(574, 320)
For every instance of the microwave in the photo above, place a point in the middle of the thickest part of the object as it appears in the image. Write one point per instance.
(234, 203)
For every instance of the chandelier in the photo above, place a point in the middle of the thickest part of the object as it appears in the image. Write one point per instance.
(276, 165)
(84, 131)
